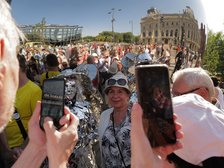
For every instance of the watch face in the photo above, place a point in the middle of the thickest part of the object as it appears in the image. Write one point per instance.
(16, 115)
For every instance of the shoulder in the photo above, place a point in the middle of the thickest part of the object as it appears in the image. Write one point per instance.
(194, 113)
(187, 104)
(33, 89)
(104, 120)
(43, 75)
(52, 73)
(106, 113)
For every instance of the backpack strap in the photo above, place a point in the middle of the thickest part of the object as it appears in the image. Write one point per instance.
(16, 116)
(47, 75)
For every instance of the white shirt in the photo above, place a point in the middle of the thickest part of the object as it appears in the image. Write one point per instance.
(203, 126)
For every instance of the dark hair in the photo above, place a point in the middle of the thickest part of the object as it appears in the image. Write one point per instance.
(52, 60)
(215, 81)
(90, 60)
(22, 63)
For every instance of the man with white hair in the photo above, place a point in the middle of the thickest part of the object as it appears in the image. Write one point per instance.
(202, 121)
(193, 80)
(57, 145)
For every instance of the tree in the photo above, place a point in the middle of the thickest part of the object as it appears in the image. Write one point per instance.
(107, 36)
(33, 37)
(128, 37)
(213, 59)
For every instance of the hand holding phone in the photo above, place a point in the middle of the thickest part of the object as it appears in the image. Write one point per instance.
(153, 91)
(52, 104)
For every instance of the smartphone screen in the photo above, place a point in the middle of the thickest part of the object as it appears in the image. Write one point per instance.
(153, 92)
(52, 104)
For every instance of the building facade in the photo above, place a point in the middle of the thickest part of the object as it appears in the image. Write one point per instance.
(173, 29)
(53, 34)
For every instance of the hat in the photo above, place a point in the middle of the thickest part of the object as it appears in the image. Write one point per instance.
(116, 77)
(94, 55)
(113, 68)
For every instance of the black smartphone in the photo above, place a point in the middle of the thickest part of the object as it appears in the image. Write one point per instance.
(153, 92)
(52, 104)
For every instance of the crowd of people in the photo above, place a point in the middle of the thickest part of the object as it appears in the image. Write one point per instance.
(197, 100)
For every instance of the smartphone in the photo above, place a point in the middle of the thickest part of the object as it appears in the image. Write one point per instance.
(153, 92)
(52, 104)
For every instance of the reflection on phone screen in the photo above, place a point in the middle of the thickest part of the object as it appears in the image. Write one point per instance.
(153, 90)
(52, 103)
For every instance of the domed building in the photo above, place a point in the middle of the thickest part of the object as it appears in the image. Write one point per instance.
(172, 29)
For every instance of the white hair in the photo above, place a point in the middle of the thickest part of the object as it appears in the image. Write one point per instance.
(195, 77)
(8, 29)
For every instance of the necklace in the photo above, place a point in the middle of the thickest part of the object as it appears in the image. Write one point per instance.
(118, 121)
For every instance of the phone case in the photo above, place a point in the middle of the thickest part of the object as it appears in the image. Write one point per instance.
(153, 92)
(52, 104)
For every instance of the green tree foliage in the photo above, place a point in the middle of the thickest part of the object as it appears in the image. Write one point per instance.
(89, 38)
(37, 33)
(107, 36)
(128, 37)
(33, 37)
(213, 59)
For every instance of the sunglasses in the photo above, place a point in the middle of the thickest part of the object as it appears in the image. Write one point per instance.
(121, 82)
(191, 91)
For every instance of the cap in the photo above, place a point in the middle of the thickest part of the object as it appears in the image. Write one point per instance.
(116, 77)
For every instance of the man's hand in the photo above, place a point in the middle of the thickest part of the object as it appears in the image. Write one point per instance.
(60, 143)
(140, 146)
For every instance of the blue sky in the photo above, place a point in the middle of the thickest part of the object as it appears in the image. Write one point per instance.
(93, 14)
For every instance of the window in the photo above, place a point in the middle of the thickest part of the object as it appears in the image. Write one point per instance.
(188, 34)
(176, 33)
(167, 33)
(171, 33)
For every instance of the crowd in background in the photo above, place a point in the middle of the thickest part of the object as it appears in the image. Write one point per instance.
(197, 100)
(41, 62)
(102, 55)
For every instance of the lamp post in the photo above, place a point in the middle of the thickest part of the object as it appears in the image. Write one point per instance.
(131, 22)
(112, 12)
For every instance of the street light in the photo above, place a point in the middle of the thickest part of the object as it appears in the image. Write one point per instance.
(131, 22)
(112, 12)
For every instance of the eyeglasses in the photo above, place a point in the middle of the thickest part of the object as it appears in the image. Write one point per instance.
(191, 91)
(112, 82)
